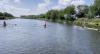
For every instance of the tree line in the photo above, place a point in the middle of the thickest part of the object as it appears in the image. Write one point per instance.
(5, 15)
(70, 13)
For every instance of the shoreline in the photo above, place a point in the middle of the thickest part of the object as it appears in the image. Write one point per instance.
(88, 28)
(64, 22)
(91, 24)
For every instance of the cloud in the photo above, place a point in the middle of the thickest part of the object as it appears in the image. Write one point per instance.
(16, 11)
(4, 1)
(8, 1)
(17, 1)
(47, 1)
(58, 7)
(64, 2)
(70, 2)
(42, 7)
(78, 2)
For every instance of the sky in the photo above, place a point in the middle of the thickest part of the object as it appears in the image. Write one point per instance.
(35, 7)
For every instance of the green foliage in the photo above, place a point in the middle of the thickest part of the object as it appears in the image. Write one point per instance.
(97, 4)
(95, 9)
(53, 15)
(82, 11)
(5, 15)
(92, 23)
(1, 14)
(69, 18)
(61, 15)
(41, 16)
(70, 13)
(70, 10)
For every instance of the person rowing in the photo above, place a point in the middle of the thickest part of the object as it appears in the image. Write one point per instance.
(4, 24)
(45, 25)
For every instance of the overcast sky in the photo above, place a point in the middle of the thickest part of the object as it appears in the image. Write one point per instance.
(29, 7)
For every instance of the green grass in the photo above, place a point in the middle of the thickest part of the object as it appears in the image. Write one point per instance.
(91, 23)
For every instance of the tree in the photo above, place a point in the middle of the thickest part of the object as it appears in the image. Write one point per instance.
(82, 11)
(97, 4)
(92, 12)
(53, 15)
(41, 16)
(95, 9)
(61, 15)
(69, 10)
(7, 14)
(1, 14)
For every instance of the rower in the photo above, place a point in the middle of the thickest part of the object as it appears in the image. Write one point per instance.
(4, 24)
(45, 25)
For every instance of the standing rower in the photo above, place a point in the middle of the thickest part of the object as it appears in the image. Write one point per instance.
(45, 25)
(4, 24)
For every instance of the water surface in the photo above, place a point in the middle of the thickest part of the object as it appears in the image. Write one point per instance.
(30, 37)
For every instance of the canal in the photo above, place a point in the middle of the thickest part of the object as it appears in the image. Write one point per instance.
(27, 36)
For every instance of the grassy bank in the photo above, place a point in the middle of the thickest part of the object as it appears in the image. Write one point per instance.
(90, 23)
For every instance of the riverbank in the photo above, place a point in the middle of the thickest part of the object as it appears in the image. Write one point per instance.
(6, 18)
(93, 24)
(57, 21)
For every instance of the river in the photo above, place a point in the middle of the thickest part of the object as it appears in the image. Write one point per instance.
(27, 36)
